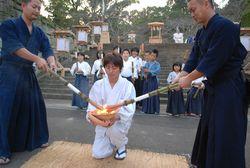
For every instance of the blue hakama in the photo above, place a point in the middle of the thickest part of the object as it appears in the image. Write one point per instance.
(138, 88)
(152, 104)
(221, 135)
(175, 104)
(194, 103)
(23, 123)
(81, 83)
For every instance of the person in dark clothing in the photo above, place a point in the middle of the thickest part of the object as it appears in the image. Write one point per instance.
(23, 120)
(218, 55)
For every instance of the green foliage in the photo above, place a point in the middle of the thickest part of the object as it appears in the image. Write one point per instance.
(85, 10)
(245, 19)
(59, 9)
(66, 13)
(233, 10)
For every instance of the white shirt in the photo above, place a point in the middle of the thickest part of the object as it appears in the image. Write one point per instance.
(127, 69)
(103, 94)
(178, 37)
(138, 64)
(172, 75)
(96, 66)
(199, 80)
(83, 66)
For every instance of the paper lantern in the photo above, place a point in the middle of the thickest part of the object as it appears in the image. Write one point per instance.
(97, 30)
(82, 36)
(62, 44)
(105, 28)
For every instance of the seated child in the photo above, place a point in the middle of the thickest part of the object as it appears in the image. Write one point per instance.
(109, 91)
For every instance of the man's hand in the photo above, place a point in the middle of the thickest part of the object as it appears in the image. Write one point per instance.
(52, 63)
(185, 82)
(41, 64)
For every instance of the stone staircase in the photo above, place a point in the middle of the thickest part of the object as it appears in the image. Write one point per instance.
(168, 54)
(54, 89)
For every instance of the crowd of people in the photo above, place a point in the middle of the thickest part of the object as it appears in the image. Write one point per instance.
(217, 54)
(142, 72)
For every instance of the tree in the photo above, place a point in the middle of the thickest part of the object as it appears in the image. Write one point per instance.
(58, 9)
(173, 14)
(245, 19)
(89, 10)
(233, 9)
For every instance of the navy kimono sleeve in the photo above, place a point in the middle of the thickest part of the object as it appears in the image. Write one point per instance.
(220, 49)
(8, 33)
(45, 46)
(192, 61)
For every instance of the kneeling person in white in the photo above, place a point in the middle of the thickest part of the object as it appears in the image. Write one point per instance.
(109, 91)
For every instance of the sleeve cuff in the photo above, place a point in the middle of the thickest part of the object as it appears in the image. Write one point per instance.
(187, 68)
(46, 55)
(13, 49)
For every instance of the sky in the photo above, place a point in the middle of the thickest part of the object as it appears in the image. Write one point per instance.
(160, 3)
(143, 4)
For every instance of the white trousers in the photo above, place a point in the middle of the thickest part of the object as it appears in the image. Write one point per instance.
(106, 139)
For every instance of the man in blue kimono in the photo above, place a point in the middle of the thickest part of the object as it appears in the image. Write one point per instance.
(23, 122)
(217, 54)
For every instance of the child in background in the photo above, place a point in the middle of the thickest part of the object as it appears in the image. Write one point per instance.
(151, 70)
(117, 51)
(195, 98)
(138, 79)
(128, 71)
(146, 58)
(80, 70)
(97, 64)
(175, 98)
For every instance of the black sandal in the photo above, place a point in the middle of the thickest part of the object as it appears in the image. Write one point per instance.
(4, 160)
(117, 155)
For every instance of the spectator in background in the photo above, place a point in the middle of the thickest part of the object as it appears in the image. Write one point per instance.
(80, 70)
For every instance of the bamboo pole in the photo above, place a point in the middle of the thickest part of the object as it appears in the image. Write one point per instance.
(75, 90)
(142, 97)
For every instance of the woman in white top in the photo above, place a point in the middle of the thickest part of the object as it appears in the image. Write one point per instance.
(80, 70)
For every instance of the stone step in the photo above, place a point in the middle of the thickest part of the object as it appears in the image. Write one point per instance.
(57, 96)
(56, 90)
(163, 100)
(51, 85)
(66, 78)
(55, 82)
